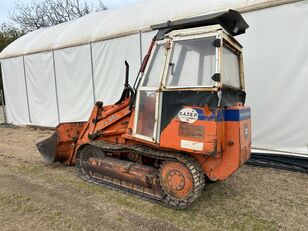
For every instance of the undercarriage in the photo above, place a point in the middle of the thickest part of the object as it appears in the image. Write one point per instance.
(175, 180)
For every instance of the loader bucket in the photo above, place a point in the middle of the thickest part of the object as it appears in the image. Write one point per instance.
(47, 148)
(61, 145)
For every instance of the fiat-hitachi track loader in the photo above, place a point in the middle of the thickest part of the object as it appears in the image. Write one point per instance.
(182, 123)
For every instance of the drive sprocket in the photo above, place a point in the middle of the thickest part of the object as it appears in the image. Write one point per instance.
(181, 180)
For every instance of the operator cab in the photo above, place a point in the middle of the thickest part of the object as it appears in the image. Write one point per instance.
(199, 66)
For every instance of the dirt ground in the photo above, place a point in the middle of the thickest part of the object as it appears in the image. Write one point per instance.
(38, 197)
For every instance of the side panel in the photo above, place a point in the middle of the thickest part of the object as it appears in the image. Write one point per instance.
(74, 82)
(195, 130)
(41, 89)
(173, 102)
(15, 91)
(237, 145)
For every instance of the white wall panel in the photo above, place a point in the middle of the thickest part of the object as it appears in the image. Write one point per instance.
(109, 69)
(276, 65)
(41, 89)
(15, 91)
(74, 83)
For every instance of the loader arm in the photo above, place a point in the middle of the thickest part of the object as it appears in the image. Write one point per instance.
(109, 122)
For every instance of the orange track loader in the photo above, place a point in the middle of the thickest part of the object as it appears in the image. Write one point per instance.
(183, 121)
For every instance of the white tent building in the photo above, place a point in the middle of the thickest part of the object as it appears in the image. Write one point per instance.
(56, 74)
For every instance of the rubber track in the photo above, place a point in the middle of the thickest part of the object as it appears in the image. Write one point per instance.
(194, 167)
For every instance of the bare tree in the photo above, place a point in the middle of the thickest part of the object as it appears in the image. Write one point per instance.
(35, 15)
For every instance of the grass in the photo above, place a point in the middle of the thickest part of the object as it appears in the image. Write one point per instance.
(252, 199)
(212, 213)
(23, 205)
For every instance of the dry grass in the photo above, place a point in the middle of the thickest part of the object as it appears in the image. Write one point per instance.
(38, 197)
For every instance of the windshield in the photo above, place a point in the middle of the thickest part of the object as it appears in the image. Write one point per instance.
(152, 77)
(192, 63)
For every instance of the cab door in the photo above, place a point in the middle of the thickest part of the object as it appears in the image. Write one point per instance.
(148, 96)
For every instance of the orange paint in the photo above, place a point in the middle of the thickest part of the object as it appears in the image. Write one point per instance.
(221, 146)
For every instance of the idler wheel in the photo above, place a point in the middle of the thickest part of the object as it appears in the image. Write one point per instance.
(83, 156)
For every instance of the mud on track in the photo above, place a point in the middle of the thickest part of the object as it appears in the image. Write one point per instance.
(38, 197)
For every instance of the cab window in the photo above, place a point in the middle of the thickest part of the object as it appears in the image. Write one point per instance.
(153, 75)
(192, 63)
(231, 68)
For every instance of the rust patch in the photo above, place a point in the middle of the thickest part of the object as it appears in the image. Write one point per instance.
(189, 130)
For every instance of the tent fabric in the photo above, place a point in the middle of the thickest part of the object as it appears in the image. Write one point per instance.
(55, 75)
(119, 22)
(14, 85)
(41, 89)
(74, 83)
(125, 48)
(276, 71)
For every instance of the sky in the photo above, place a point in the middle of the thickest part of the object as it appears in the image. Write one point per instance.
(7, 6)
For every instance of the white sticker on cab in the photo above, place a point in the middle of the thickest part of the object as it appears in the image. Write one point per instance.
(191, 145)
(188, 115)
